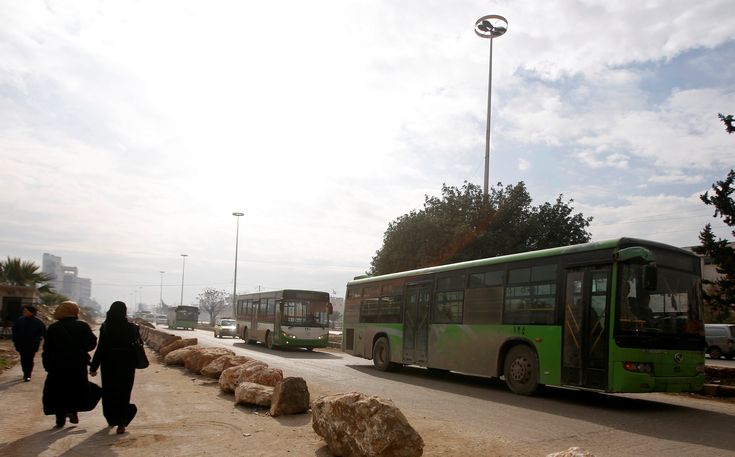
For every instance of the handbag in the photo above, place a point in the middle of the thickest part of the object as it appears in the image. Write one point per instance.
(141, 360)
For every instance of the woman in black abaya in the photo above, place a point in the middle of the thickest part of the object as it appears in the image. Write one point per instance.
(116, 355)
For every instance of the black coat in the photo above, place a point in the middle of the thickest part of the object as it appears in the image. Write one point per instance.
(65, 357)
(116, 355)
(27, 334)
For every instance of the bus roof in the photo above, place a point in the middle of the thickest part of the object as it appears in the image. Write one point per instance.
(539, 254)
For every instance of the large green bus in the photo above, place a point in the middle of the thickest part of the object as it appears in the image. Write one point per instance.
(623, 315)
(284, 318)
(183, 316)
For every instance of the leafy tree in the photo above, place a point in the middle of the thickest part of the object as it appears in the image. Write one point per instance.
(729, 122)
(464, 225)
(720, 295)
(24, 273)
(212, 301)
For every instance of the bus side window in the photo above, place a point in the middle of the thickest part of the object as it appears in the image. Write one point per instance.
(484, 298)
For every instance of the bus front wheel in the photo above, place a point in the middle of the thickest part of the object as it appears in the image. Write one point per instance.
(245, 336)
(381, 355)
(521, 370)
(269, 340)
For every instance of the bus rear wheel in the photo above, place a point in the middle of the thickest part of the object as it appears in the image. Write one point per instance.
(381, 355)
(521, 370)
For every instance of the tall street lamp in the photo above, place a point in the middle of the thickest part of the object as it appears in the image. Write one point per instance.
(160, 297)
(237, 239)
(490, 26)
(183, 268)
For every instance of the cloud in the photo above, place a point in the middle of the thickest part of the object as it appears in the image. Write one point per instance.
(523, 164)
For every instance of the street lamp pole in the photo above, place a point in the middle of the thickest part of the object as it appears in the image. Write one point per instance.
(160, 297)
(490, 26)
(183, 268)
(237, 239)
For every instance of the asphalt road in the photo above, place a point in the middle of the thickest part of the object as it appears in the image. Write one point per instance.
(607, 425)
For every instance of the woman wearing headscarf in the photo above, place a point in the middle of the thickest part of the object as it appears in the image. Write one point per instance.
(116, 355)
(65, 357)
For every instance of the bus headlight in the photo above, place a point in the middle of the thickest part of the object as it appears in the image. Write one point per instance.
(288, 335)
(324, 336)
(638, 367)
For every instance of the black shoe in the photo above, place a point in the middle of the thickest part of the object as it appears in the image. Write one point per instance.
(73, 418)
(60, 420)
(27, 379)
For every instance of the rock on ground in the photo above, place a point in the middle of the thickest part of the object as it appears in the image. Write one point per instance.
(290, 396)
(178, 344)
(261, 374)
(198, 359)
(215, 368)
(230, 377)
(177, 357)
(354, 424)
(250, 393)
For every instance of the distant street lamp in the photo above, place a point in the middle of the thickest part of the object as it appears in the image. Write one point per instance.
(490, 26)
(237, 239)
(183, 268)
(160, 298)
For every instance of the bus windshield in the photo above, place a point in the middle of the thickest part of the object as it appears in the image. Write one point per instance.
(305, 313)
(673, 308)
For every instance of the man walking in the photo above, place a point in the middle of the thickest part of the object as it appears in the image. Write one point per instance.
(27, 333)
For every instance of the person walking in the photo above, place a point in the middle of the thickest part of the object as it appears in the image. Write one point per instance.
(116, 356)
(28, 330)
(65, 358)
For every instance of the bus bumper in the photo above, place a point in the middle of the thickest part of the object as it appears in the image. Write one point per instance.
(641, 382)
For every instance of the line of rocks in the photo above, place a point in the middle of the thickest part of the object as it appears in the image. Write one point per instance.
(351, 424)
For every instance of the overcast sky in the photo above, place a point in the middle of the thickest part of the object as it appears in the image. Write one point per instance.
(130, 131)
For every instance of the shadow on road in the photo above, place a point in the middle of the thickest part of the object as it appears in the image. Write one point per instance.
(639, 415)
(39, 442)
(287, 352)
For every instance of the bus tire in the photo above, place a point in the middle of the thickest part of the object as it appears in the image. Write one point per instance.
(269, 340)
(521, 370)
(245, 337)
(381, 355)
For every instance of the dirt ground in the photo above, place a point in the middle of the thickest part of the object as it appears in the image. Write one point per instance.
(179, 414)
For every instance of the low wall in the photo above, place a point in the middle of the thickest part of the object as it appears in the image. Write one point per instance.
(156, 339)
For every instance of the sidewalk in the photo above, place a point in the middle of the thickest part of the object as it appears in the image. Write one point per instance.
(179, 414)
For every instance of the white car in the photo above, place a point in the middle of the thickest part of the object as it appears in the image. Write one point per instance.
(225, 327)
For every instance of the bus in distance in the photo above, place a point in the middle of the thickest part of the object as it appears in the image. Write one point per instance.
(622, 315)
(184, 316)
(284, 318)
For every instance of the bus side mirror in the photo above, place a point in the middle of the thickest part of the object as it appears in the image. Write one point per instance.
(650, 277)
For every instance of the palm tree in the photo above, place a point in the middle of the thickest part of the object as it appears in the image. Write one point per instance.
(24, 273)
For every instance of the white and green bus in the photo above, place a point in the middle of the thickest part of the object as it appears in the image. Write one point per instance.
(623, 315)
(284, 318)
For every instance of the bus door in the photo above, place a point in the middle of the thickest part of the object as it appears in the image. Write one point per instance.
(585, 342)
(416, 323)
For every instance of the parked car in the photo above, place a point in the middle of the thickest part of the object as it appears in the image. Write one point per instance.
(720, 340)
(225, 327)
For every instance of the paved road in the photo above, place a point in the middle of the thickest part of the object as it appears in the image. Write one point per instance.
(607, 425)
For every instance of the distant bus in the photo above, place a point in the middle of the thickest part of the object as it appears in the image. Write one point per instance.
(623, 315)
(183, 317)
(286, 318)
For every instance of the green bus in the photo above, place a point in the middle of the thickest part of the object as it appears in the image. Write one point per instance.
(183, 316)
(284, 318)
(623, 315)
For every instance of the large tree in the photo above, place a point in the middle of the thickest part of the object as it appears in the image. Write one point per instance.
(464, 225)
(212, 302)
(720, 295)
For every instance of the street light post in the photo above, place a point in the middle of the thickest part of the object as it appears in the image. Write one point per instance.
(237, 239)
(183, 268)
(160, 297)
(490, 26)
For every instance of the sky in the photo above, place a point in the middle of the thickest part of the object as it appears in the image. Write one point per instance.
(131, 131)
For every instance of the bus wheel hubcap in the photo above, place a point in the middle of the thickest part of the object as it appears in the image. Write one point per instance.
(519, 370)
